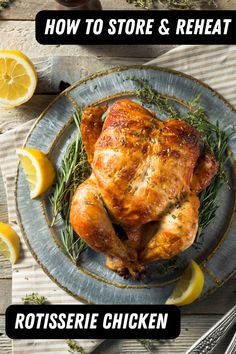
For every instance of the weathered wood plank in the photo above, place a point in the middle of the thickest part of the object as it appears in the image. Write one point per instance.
(5, 342)
(5, 294)
(22, 10)
(21, 35)
(192, 328)
(5, 269)
(226, 4)
(26, 10)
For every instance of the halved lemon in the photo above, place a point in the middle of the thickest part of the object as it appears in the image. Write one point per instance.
(9, 243)
(39, 170)
(18, 78)
(189, 286)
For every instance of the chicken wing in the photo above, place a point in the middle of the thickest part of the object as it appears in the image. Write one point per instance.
(91, 127)
(206, 168)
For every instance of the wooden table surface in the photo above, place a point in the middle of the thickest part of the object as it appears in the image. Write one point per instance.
(17, 32)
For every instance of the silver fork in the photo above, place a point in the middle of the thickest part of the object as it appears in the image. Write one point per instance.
(214, 336)
(232, 346)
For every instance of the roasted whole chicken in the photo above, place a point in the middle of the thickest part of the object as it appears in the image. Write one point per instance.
(140, 203)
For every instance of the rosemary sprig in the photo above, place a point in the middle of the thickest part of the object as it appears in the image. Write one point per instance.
(5, 3)
(72, 243)
(214, 139)
(148, 94)
(34, 299)
(172, 4)
(74, 170)
(149, 344)
(74, 348)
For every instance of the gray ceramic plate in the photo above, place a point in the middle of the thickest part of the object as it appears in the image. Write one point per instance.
(92, 281)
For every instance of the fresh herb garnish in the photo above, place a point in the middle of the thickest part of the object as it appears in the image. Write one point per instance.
(74, 348)
(34, 299)
(72, 243)
(213, 137)
(149, 344)
(172, 4)
(5, 3)
(74, 170)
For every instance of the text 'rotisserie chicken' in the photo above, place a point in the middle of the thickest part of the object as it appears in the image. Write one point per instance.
(146, 177)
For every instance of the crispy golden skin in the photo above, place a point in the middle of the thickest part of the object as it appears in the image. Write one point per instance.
(142, 167)
(91, 221)
(206, 168)
(91, 126)
(176, 231)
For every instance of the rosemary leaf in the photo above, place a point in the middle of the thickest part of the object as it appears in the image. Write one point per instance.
(34, 299)
(74, 348)
(213, 138)
(149, 344)
(73, 245)
(74, 170)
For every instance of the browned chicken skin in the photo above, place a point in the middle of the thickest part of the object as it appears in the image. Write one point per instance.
(145, 177)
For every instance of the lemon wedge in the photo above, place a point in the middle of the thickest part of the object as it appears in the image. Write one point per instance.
(39, 170)
(18, 78)
(189, 286)
(9, 243)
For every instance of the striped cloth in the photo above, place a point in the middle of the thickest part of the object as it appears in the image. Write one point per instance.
(215, 65)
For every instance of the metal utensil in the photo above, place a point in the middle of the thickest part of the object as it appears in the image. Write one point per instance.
(231, 349)
(214, 336)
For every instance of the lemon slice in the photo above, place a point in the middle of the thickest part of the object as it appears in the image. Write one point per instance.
(189, 287)
(9, 243)
(18, 78)
(38, 169)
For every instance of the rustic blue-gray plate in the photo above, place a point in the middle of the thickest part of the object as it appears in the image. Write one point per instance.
(91, 281)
